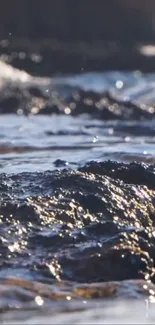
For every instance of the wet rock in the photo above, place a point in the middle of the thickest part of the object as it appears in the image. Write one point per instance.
(110, 265)
(89, 225)
(133, 173)
(9, 105)
(106, 107)
(13, 98)
(60, 163)
(37, 92)
(20, 100)
(31, 100)
(49, 108)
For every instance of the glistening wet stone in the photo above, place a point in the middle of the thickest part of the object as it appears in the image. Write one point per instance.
(86, 225)
(32, 100)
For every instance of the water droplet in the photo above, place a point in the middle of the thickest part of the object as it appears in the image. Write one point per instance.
(152, 299)
(20, 111)
(95, 139)
(127, 139)
(111, 131)
(22, 55)
(36, 58)
(67, 110)
(39, 301)
(151, 110)
(119, 84)
(68, 298)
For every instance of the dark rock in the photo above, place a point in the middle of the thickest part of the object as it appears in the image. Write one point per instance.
(13, 98)
(37, 92)
(60, 163)
(9, 104)
(134, 173)
(103, 106)
(49, 109)
(94, 224)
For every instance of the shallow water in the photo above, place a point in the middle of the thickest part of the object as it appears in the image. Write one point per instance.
(34, 143)
(88, 223)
